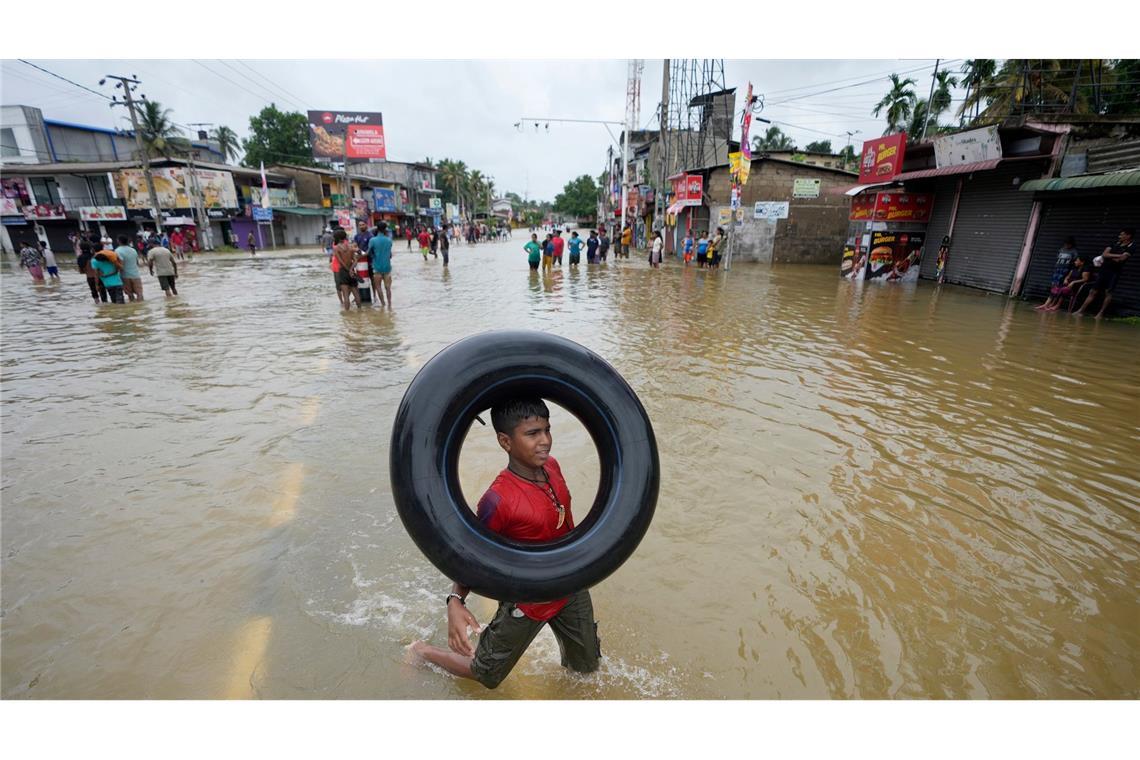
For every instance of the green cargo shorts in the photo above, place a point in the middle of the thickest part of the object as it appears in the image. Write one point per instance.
(507, 636)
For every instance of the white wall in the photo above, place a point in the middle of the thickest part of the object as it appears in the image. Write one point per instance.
(13, 118)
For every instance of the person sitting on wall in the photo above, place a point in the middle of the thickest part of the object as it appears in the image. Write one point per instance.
(1113, 257)
(1066, 257)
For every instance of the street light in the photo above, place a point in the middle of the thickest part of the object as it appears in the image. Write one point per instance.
(845, 152)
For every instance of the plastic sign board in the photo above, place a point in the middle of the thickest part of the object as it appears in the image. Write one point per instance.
(967, 147)
(384, 199)
(45, 211)
(863, 207)
(9, 207)
(103, 213)
(355, 135)
(805, 188)
(882, 158)
(770, 210)
(893, 206)
(262, 214)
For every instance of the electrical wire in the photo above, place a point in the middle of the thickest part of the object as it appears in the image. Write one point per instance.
(296, 100)
(57, 76)
(246, 77)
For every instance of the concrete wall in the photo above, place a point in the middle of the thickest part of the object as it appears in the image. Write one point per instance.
(27, 128)
(815, 229)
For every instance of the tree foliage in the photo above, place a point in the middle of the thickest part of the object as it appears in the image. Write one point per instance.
(899, 104)
(818, 146)
(278, 137)
(159, 134)
(228, 141)
(773, 139)
(578, 198)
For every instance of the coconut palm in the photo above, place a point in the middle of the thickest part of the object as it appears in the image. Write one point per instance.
(453, 175)
(773, 139)
(227, 140)
(920, 114)
(899, 104)
(977, 78)
(159, 134)
(940, 101)
(477, 187)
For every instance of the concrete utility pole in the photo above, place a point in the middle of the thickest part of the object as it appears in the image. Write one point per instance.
(662, 144)
(196, 204)
(127, 84)
(926, 116)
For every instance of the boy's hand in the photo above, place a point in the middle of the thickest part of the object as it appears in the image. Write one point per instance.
(458, 620)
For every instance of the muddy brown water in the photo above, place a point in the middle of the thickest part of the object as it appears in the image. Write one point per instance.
(866, 492)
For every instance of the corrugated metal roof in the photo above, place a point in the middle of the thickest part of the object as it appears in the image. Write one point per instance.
(947, 170)
(1129, 178)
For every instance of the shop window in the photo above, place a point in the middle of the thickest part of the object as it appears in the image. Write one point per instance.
(45, 190)
(100, 194)
(8, 146)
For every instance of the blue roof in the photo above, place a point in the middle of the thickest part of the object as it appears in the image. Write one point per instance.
(85, 128)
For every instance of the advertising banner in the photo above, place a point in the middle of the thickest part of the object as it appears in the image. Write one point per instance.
(694, 190)
(882, 158)
(853, 262)
(171, 188)
(360, 208)
(770, 210)
(16, 189)
(103, 213)
(805, 188)
(435, 203)
(357, 135)
(863, 207)
(746, 126)
(723, 216)
(45, 211)
(217, 188)
(262, 214)
(903, 207)
(9, 207)
(279, 197)
(967, 147)
(344, 219)
(384, 199)
(895, 256)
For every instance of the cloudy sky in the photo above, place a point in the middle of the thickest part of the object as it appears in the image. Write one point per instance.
(468, 109)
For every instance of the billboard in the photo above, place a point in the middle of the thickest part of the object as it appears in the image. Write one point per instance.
(170, 188)
(355, 135)
(384, 200)
(882, 158)
(967, 147)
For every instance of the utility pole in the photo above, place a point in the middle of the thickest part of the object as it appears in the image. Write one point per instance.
(199, 208)
(128, 84)
(850, 134)
(662, 144)
(926, 116)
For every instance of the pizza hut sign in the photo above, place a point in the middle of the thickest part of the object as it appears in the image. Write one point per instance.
(882, 158)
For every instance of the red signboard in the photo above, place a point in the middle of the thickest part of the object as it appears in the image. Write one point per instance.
(696, 189)
(45, 211)
(894, 206)
(863, 207)
(882, 158)
(680, 188)
(355, 135)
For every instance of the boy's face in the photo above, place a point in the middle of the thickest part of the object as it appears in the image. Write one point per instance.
(529, 443)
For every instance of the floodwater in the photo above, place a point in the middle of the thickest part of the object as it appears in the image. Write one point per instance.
(866, 492)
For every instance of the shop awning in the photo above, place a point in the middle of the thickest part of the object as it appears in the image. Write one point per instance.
(860, 188)
(301, 211)
(676, 207)
(944, 171)
(178, 221)
(1130, 178)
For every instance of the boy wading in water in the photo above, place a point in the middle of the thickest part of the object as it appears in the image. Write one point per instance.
(528, 501)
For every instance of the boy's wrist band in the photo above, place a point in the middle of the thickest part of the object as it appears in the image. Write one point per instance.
(447, 601)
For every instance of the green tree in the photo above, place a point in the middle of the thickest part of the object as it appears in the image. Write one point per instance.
(578, 198)
(278, 137)
(452, 179)
(898, 103)
(819, 146)
(941, 100)
(977, 78)
(773, 139)
(1124, 97)
(848, 155)
(1025, 87)
(228, 141)
(919, 115)
(159, 134)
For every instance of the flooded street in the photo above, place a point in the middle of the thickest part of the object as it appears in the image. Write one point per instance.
(866, 492)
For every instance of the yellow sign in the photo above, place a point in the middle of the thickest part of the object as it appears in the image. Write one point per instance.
(739, 167)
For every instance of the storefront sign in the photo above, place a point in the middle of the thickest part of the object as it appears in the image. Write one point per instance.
(688, 189)
(103, 213)
(770, 210)
(262, 214)
(805, 188)
(383, 199)
(435, 203)
(967, 147)
(895, 256)
(360, 208)
(903, 207)
(9, 207)
(217, 213)
(344, 219)
(171, 188)
(44, 211)
(863, 207)
(16, 189)
(356, 135)
(882, 158)
(278, 196)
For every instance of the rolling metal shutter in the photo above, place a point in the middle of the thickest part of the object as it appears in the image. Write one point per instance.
(990, 229)
(938, 225)
(1094, 222)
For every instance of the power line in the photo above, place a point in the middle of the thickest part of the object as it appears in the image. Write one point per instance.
(297, 100)
(57, 76)
(273, 95)
(849, 86)
(260, 97)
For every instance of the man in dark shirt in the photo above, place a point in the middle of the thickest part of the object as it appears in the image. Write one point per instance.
(362, 237)
(1114, 257)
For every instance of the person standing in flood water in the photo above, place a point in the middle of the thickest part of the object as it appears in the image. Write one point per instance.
(380, 252)
(345, 269)
(528, 501)
(32, 260)
(1113, 260)
(533, 251)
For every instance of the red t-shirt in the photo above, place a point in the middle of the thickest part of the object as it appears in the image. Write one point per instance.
(523, 511)
(559, 244)
(425, 239)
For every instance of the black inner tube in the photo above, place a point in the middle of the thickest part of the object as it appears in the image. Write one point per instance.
(432, 422)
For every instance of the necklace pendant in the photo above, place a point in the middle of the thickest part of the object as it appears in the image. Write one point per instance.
(561, 517)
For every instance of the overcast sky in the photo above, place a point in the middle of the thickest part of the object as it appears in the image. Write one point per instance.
(467, 109)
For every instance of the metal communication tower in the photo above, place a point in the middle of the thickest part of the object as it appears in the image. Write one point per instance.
(700, 116)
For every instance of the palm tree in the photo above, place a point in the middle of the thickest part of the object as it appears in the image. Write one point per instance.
(227, 140)
(453, 174)
(773, 139)
(941, 100)
(915, 126)
(478, 187)
(158, 132)
(899, 103)
(978, 75)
